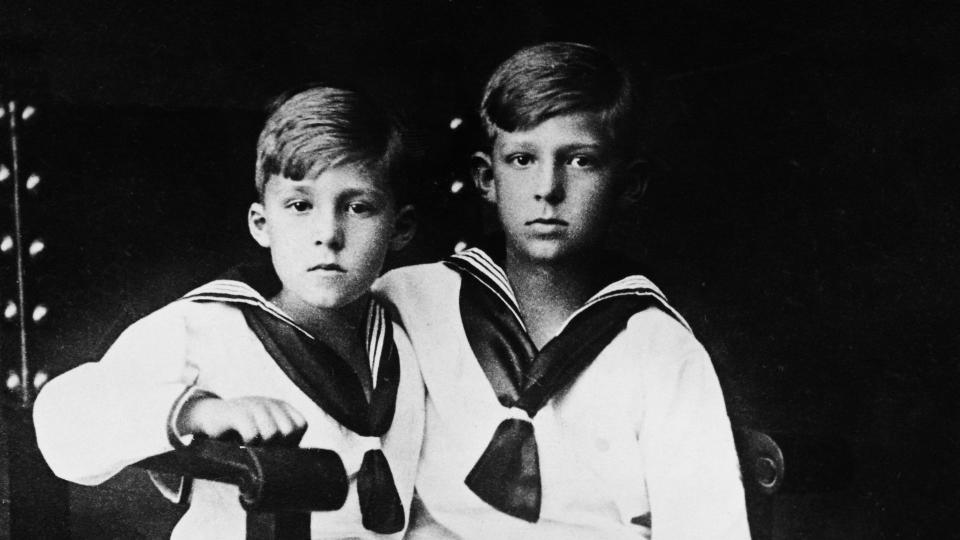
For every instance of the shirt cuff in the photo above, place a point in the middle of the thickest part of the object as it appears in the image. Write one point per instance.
(189, 395)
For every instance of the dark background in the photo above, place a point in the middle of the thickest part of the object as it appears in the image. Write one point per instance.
(802, 214)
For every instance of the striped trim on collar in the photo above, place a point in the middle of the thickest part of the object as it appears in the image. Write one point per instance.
(631, 285)
(478, 264)
(231, 291)
(376, 325)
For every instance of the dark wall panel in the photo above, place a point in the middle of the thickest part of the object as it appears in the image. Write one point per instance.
(802, 212)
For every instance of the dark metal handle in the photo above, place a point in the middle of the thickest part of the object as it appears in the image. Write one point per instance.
(271, 479)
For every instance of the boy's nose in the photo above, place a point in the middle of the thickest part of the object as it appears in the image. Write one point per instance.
(549, 186)
(328, 230)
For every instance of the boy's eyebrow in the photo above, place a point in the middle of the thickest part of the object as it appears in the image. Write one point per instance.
(596, 146)
(519, 145)
(582, 146)
(371, 190)
(294, 188)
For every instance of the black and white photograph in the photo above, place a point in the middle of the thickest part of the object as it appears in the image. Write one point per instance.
(668, 270)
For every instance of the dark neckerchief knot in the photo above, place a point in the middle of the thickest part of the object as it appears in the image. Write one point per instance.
(329, 380)
(507, 474)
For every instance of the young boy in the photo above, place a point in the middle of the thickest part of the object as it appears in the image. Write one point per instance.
(272, 354)
(565, 397)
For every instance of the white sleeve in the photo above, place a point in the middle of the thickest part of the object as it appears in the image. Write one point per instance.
(693, 474)
(99, 417)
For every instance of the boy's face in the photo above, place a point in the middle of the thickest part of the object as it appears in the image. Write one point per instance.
(554, 186)
(328, 235)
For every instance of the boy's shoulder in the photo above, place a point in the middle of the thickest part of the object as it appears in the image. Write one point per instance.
(168, 332)
(661, 326)
(208, 308)
(182, 312)
(421, 278)
(416, 291)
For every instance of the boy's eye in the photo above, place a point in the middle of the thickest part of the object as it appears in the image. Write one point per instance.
(359, 207)
(520, 160)
(299, 206)
(582, 162)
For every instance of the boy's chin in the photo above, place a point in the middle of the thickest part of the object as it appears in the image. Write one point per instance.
(545, 253)
(333, 300)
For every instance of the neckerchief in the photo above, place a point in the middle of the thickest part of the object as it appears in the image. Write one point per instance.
(329, 380)
(507, 475)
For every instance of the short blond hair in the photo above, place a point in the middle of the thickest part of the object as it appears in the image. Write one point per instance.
(326, 126)
(556, 78)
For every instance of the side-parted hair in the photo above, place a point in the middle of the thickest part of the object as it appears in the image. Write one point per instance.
(323, 127)
(555, 78)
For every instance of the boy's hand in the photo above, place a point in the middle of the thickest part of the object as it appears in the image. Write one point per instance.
(255, 420)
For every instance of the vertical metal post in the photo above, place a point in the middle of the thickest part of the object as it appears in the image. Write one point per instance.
(33, 502)
(24, 389)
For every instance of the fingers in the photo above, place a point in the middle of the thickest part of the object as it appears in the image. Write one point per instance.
(243, 422)
(259, 420)
(255, 420)
(264, 427)
(297, 424)
(297, 419)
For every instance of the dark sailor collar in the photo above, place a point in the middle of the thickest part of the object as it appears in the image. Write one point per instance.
(479, 265)
(234, 289)
(329, 380)
(507, 474)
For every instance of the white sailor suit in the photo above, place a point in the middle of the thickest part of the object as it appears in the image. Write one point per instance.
(100, 417)
(615, 429)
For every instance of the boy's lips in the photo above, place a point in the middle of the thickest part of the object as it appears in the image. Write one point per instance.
(547, 226)
(548, 221)
(331, 267)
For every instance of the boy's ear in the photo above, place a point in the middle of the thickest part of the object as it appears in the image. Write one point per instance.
(481, 169)
(404, 227)
(257, 222)
(634, 178)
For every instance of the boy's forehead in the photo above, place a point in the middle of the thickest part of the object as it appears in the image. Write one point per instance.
(572, 129)
(349, 175)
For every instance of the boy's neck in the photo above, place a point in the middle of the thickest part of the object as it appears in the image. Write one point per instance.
(339, 328)
(323, 321)
(548, 294)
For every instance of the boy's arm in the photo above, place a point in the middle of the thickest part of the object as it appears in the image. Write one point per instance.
(253, 419)
(99, 417)
(693, 474)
